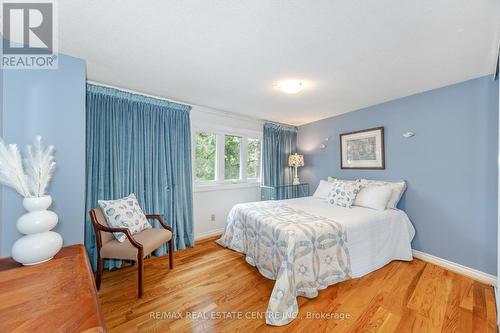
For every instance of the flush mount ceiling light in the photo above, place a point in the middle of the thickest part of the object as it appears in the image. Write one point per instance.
(291, 87)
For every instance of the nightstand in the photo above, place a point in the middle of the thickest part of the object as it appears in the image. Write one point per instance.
(281, 192)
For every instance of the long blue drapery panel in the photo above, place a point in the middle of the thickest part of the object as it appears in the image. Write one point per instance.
(142, 145)
(279, 141)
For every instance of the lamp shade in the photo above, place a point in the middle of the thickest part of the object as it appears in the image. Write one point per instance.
(296, 160)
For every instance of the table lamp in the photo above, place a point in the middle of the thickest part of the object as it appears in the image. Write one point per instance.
(296, 161)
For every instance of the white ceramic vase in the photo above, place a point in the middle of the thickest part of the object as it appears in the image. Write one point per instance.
(39, 243)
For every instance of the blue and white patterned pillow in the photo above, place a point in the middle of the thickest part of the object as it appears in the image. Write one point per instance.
(124, 213)
(343, 193)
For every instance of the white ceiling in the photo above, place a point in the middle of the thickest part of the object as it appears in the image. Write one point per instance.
(228, 54)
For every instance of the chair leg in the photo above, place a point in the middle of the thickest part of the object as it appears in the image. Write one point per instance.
(140, 270)
(171, 253)
(99, 272)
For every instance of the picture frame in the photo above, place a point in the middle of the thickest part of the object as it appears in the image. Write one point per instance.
(363, 149)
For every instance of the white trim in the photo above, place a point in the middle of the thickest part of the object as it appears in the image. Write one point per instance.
(243, 158)
(219, 160)
(208, 234)
(457, 268)
(224, 186)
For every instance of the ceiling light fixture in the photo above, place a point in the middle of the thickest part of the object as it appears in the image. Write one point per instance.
(291, 87)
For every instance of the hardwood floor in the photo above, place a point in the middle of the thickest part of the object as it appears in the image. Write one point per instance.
(209, 280)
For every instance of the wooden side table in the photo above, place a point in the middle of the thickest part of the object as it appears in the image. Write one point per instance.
(56, 296)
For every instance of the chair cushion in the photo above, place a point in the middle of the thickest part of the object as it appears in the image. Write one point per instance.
(151, 239)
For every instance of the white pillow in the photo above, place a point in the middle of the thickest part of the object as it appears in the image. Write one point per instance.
(374, 197)
(332, 179)
(323, 189)
(124, 213)
(343, 193)
(398, 189)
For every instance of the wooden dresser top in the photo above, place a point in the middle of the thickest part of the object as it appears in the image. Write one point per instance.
(56, 296)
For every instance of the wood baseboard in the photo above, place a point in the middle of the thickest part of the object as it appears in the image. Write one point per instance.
(457, 268)
(210, 234)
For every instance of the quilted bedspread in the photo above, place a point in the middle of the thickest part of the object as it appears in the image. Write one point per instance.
(303, 252)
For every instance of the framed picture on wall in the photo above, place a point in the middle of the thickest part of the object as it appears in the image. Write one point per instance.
(362, 149)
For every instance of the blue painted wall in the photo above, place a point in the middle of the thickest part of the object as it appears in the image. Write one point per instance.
(450, 165)
(50, 103)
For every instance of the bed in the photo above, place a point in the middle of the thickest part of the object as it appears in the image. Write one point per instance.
(307, 244)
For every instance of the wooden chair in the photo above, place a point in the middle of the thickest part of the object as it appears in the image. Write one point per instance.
(134, 248)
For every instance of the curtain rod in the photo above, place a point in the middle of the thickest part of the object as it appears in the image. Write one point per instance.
(137, 92)
(211, 110)
(278, 123)
(222, 112)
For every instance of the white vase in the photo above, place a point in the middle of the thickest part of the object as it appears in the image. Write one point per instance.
(40, 244)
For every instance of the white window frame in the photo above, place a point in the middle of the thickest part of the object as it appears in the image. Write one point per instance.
(220, 159)
(220, 183)
(193, 158)
(260, 160)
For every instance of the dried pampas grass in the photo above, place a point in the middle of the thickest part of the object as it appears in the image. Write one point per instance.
(32, 178)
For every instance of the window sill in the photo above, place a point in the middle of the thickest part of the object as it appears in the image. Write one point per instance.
(223, 186)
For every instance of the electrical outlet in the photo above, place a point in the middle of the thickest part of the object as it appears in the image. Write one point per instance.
(212, 217)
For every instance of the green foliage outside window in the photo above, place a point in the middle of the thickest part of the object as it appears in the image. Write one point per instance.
(206, 157)
(205, 150)
(253, 165)
(232, 157)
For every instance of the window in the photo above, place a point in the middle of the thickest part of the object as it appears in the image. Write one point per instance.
(205, 156)
(253, 159)
(225, 159)
(232, 154)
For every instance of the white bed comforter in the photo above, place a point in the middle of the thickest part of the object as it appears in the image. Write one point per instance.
(308, 244)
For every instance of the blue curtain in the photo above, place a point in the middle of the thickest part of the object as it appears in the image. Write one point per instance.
(142, 145)
(278, 142)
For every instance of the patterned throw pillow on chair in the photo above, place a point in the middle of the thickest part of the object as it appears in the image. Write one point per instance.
(124, 213)
(343, 193)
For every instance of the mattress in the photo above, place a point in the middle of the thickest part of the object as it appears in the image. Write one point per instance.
(374, 238)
